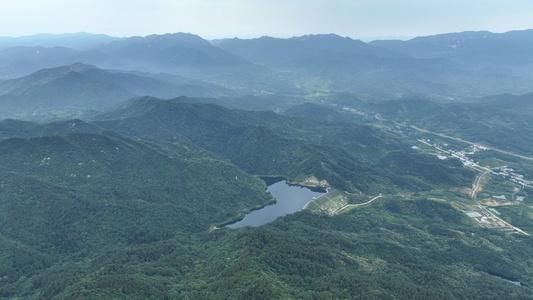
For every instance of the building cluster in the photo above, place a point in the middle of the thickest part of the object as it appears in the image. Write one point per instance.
(486, 219)
(482, 215)
(462, 155)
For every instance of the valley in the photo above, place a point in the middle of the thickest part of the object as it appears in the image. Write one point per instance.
(486, 217)
(119, 157)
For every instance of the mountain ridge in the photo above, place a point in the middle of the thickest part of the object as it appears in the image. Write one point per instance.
(129, 200)
(78, 87)
(424, 65)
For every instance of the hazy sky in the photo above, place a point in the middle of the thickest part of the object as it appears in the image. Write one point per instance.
(253, 18)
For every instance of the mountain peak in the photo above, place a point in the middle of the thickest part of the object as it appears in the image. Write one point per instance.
(465, 35)
(323, 36)
(78, 67)
(168, 39)
(44, 76)
(332, 42)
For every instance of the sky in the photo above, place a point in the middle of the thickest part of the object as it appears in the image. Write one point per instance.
(212, 19)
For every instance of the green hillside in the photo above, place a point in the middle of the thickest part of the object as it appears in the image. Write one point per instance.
(123, 206)
(422, 149)
(500, 121)
(73, 197)
(264, 143)
(395, 250)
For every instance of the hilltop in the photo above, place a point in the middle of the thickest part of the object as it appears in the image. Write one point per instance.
(124, 158)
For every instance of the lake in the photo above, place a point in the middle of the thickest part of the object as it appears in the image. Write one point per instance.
(289, 199)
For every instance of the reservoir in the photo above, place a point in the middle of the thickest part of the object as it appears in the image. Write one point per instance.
(289, 199)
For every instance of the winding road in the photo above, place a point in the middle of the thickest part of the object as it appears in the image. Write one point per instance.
(477, 186)
(355, 205)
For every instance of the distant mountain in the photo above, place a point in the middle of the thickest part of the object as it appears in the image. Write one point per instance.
(21, 60)
(176, 54)
(189, 55)
(123, 204)
(442, 45)
(79, 87)
(281, 53)
(378, 70)
(508, 53)
(173, 53)
(451, 66)
(78, 40)
(463, 44)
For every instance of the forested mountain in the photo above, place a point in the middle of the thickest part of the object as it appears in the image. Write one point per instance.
(284, 53)
(170, 52)
(479, 48)
(446, 66)
(123, 160)
(73, 89)
(267, 144)
(22, 60)
(179, 53)
(506, 117)
(399, 250)
(156, 53)
(462, 65)
(83, 191)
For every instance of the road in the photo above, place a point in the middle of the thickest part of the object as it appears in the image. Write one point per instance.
(471, 143)
(355, 205)
(476, 186)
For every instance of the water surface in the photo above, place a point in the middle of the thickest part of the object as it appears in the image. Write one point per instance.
(289, 199)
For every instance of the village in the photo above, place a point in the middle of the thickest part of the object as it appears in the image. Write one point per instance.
(462, 155)
(485, 216)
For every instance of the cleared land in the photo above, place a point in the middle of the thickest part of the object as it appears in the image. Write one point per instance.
(328, 203)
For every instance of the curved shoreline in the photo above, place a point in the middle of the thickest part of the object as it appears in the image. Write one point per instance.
(241, 215)
(269, 180)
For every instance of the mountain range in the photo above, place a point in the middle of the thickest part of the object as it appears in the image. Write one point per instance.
(80, 87)
(461, 65)
(120, 205)
(122, 160)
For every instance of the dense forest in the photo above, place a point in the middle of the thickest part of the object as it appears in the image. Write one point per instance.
(122, 160)
(121, 207)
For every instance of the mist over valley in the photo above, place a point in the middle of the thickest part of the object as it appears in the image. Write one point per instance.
(123, 160)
